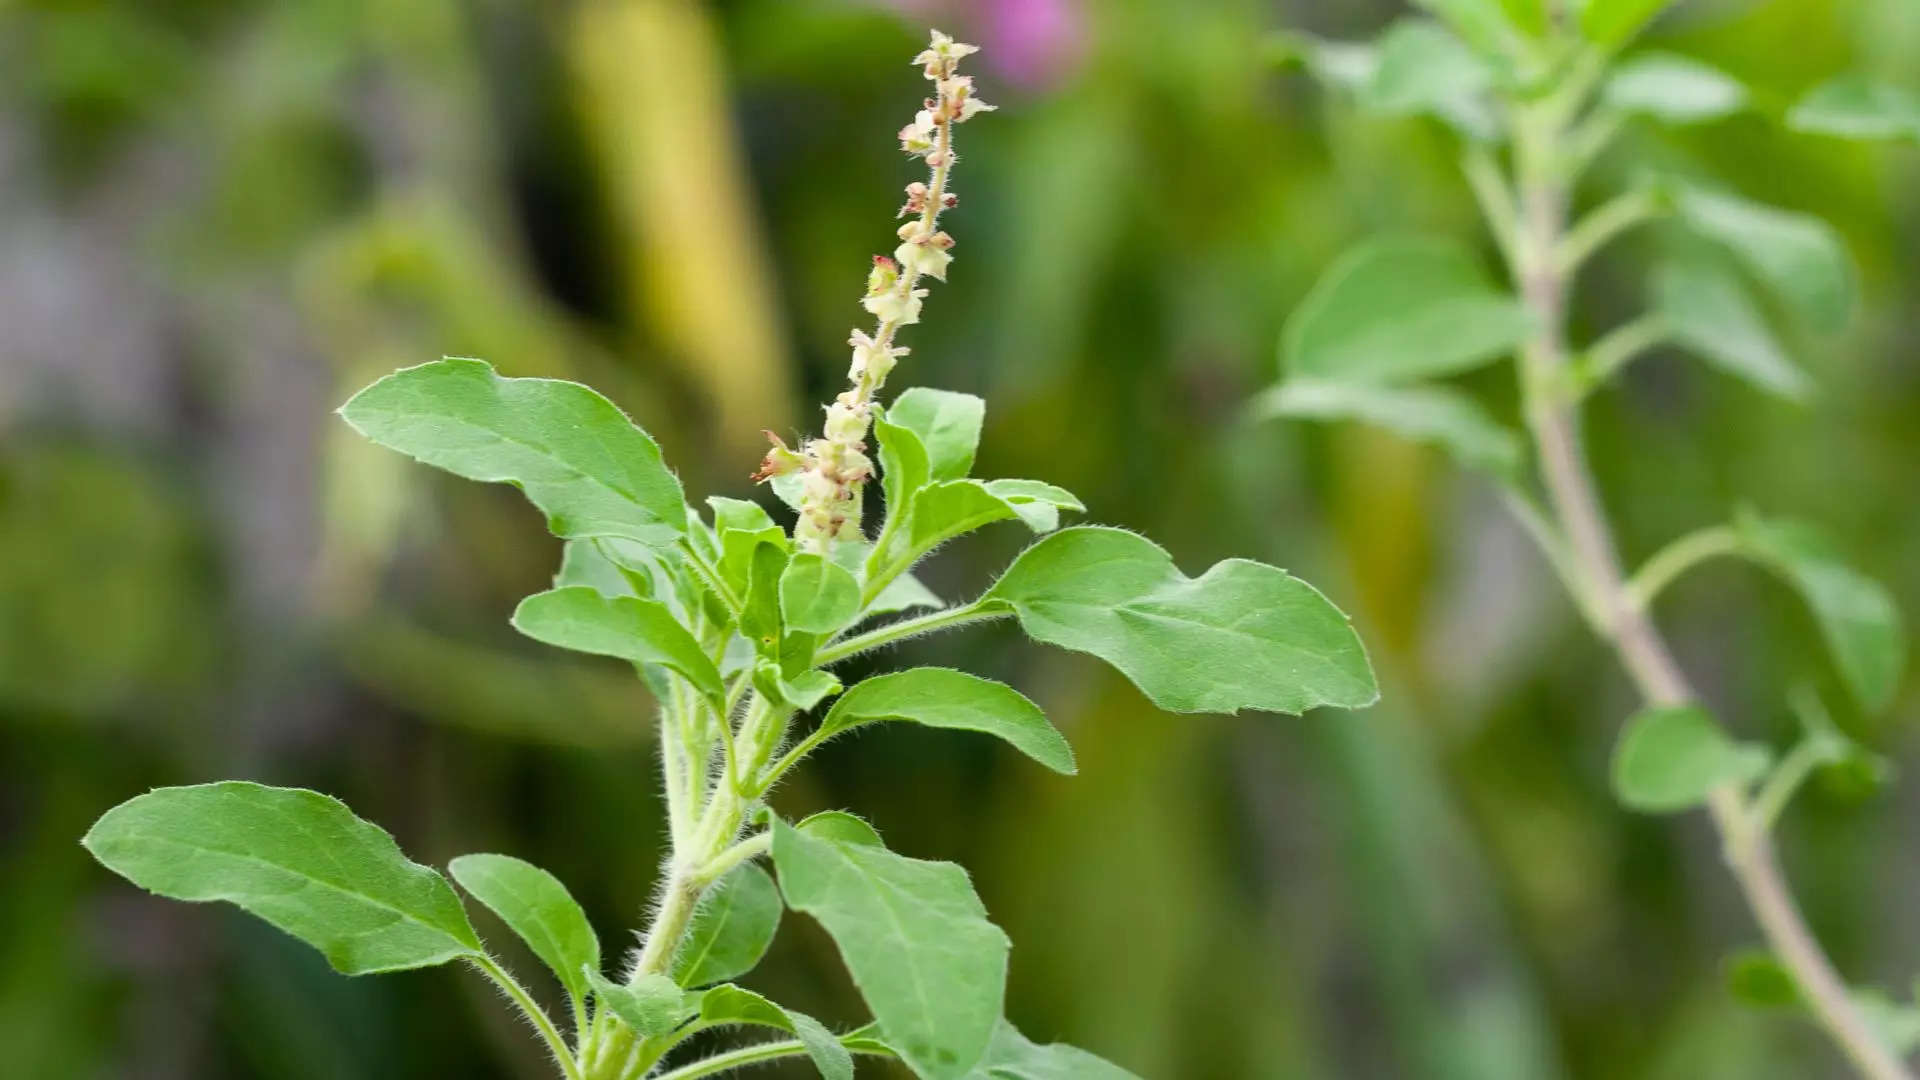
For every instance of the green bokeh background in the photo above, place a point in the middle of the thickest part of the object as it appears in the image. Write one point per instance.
(217, 217)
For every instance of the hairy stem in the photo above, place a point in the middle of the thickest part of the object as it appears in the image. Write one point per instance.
(902, 630)
(516, 993)
(1540, 276)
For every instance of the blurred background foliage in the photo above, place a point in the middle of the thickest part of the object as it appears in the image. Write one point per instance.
(219, 216)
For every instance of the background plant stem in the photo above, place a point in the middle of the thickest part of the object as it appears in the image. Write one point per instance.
(1539, 162)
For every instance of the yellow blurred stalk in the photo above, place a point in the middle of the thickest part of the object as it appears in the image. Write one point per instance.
(654, 102)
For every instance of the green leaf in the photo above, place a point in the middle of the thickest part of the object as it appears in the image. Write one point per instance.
(581, 563)
(1612, 23)
(800, 693)
(575, 455)
(1339, 65)
(904, 465)
(1243, 635)
(1012, 1056)
(1432, 414)
(654, 1005)
(1895, 1023)
(1038, 504)
(1401, 309)
(760, 619)
(944, 698)
(817, 595)
(1798, 256)
(731, 931)
(914, 936)
(1856, 107)
(642, 631)
(728, 1004)
(1706, 310)
(1756, 978)
(1673, 88)
(947, 509)
(299, 860)
(840, 827)
(1422, 68)
(537, 907)
(1669, 759)
(1857, 617)
(1844, 763)
(948, 426)
(1484, 23)
(903, 593)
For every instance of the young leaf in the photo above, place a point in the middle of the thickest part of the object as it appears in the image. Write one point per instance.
(1243, 635)
(840, 827)
(1674, 88)
(642, 631)
(800, 693)
(731, 931)
(537, 907)
(904, 593)
(296, 858)
(1855, 107)
(817, 596)
(1432, 414)
(1422, 68)
(760, 620)
(1857, 617)
(652, 1006)
(904, 465)
(581, 563)
(914, 936)
(729, 1004)
(944, 698)
(948, 426)
(1401, 309)
(1799, 256)
(1038, 504)
(1669, 759)
(1706, 310)
(574, 453)
(1012, 1056)
(1612, 23)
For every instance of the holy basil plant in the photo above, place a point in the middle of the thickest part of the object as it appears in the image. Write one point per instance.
(738, 624)
(1536, 93)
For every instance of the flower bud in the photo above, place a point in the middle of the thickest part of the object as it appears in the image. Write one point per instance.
(881, 278)
(924, 258)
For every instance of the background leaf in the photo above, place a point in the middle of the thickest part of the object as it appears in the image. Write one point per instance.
(1677, 89)
(1856, 107)
(1243, 635)
(1422, 68)
(1399, 309)
(297, 859)
(945, 698)
(1432, 414)
(1799, 256)
(1613, 23)
(1705, 309)
(915, 938)
(577, 456)
(731, 930)
(536, 906)
(1669, 759)
(1857, 617)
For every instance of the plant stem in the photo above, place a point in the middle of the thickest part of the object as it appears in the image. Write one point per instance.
(1539, 275)
(905, 628)
(1677, 558)
(746, 1055)
(1618, 348)
(556, 1044)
